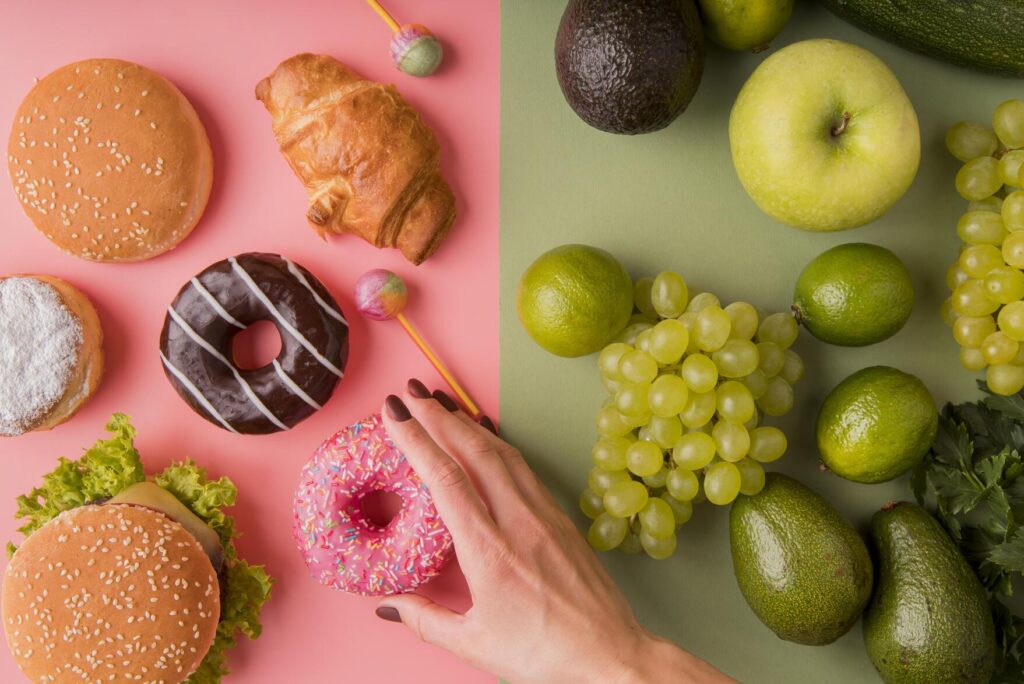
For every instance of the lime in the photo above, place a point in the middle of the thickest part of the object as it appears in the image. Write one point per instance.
(876, 424)
(574, 299)
(854, 295)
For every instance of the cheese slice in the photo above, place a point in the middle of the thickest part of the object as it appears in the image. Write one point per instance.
(152, 495)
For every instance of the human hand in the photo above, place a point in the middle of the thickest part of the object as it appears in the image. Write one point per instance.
(544, 608)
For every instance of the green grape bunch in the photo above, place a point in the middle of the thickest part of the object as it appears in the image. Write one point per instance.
(689, 384)
(985, 309)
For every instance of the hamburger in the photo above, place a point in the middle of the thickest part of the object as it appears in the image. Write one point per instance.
(127, 578)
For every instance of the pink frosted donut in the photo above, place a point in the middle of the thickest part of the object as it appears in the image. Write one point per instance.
(342, 547)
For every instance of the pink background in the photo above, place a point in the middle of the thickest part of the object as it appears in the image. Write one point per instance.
(216, 52)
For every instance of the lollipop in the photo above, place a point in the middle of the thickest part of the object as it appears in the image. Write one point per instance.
(414, 49)
(382, 295)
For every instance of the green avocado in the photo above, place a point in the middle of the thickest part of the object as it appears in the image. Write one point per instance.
(803, 569)
(629, 66)
(928, 621)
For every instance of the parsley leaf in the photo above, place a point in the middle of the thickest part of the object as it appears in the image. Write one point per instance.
(973, 479)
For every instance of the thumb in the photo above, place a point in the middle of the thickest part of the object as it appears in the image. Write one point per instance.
(430, 622)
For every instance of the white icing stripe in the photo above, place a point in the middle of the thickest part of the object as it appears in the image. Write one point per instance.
(280, 319)
(215, 305)
(194, 391)
(296, 390)
(331, 311)
(220, 357)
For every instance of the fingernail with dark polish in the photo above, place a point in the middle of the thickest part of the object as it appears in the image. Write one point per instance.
(444, 400)
(418, 389)
(397, 409)
(488, 424)
(388, 613)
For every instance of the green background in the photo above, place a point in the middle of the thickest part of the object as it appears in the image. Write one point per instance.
(671, 201)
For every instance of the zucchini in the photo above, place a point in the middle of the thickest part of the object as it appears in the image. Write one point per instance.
(987, 35)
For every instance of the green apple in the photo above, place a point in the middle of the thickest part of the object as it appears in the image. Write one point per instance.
(823, 136)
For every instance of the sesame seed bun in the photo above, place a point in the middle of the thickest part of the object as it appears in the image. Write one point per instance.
(110, 593)
(110, 161)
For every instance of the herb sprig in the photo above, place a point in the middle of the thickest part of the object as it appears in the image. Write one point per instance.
(973, 479)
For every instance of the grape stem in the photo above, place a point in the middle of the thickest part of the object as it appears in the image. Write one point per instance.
(838, 129)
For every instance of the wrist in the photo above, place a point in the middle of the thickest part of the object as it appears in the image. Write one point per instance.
(658, 660)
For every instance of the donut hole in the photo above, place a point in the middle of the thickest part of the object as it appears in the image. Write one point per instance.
(256, 346)
(380, 507)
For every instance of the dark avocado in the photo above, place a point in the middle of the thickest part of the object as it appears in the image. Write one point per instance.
(929, 621)
(629, 66)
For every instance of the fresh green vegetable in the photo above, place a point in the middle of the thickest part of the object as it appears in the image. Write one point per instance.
(973, 477)
(982, 34)
(105, 469)
(113, 464)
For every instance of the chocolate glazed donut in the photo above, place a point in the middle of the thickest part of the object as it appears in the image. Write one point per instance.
(214, 306)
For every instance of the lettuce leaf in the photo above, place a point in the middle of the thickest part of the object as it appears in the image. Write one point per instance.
(247, 587)
(204, 497)
(103, 471)
(113, 464)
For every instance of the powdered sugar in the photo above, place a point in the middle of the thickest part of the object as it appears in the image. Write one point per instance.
(39, 345)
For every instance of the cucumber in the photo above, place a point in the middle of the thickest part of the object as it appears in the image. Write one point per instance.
(987, 35)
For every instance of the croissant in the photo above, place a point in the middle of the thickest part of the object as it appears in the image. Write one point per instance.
(369, 163)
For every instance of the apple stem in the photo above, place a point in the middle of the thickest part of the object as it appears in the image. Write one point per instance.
(838, 129)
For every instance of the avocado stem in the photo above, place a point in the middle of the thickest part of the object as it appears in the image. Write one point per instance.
(838, 129)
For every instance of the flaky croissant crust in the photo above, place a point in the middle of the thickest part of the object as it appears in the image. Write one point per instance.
(369, 164)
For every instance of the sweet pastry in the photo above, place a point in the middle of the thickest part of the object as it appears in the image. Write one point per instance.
(51, 356)
(341, 546)
(110, 161)
(201, 322)
(369, 164)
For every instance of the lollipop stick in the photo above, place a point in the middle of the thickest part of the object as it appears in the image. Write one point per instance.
(383, 14)
(436, 362)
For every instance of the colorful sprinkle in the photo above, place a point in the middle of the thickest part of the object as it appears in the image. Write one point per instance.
(342, 548)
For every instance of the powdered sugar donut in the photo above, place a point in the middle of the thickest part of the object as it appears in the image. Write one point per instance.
(51, 357)
(342, 547)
